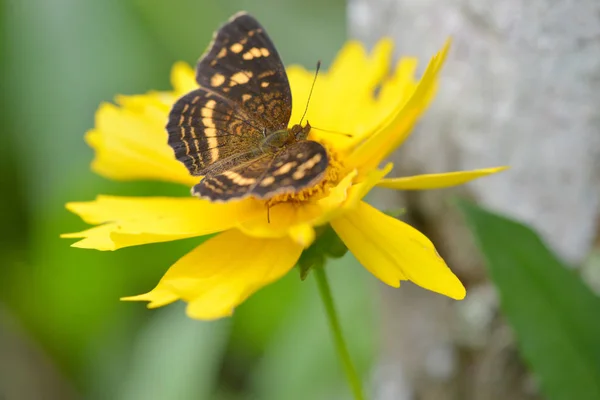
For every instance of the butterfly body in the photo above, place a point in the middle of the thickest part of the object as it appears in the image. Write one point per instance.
(278, 139)
(233, 130)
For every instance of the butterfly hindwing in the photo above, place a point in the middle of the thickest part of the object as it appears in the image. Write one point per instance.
(243, 66)
(235, 182)
(205, 131)
(294, 167)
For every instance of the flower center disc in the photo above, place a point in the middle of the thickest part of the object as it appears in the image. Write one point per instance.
(318, 191)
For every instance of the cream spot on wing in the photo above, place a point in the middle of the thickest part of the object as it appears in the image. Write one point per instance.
(305, 166)
(211, 104)
(187, 146)
(239, 179)
(255, 52)
(267, 181)
(266, 73)
(206, 112)
(208, 122)
(285, 168)
(246, 97)
(222, 53)
(217, 80)
(212, 187)
(264, 84)
(213, 142)
(240, 78)
(236, 47)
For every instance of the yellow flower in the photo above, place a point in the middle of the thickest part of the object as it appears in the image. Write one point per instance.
(358, 95)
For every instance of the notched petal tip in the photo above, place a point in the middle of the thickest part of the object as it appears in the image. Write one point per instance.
(410, 102)
(221, 273)
(130, 221)
(157, 297)
(393, 251)
(382, 52)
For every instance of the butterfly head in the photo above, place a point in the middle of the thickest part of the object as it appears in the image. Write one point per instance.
(278, 139)
(300, 132)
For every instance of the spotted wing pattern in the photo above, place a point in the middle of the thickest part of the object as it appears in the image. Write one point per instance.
(208, 134)
(243, 66)
(219, 129)
(294, 167)
(244, 95)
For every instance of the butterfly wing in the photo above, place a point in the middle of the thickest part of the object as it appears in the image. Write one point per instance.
(208, 134)
(243, 66)
(297, 166)
(293, 168)
(244, 96)
(235, 182)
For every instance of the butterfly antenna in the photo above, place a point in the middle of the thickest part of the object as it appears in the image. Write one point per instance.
(330, 131)
(311, 90)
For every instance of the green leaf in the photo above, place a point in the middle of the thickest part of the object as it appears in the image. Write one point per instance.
(556, 318)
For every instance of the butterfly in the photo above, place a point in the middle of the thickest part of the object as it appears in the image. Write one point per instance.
(233, 129)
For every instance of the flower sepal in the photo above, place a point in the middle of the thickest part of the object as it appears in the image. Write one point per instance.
(327, 245)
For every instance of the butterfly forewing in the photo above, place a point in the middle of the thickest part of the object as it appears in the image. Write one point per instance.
(243, 66)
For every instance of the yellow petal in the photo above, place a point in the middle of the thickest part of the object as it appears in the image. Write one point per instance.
(183, 78)
(130, 142)
(130, 221)
(222, 272)
(394, 251)
(296, 219)
(130, 139)
(110, 237)
(437, 181)
(360, 190)
(395, 128)
(342, 100)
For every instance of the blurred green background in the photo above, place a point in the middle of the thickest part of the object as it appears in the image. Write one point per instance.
(63, 332)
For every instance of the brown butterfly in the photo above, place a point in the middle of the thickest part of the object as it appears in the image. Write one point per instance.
(233, 130)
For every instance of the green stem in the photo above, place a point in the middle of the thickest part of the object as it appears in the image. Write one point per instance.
(338, 337)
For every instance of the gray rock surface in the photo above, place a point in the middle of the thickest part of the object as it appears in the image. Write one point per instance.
(521, 87)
